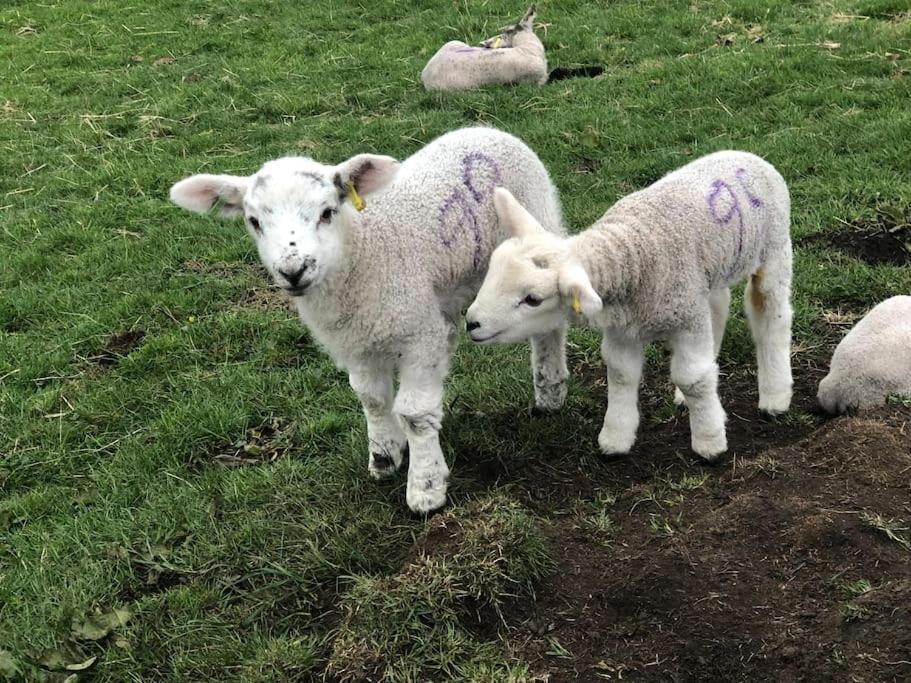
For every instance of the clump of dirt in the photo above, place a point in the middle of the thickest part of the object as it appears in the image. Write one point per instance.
(790, 564)
(885, 239)
(117, 347)
(260, 445)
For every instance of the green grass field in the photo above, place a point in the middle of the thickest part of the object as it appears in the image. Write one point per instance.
(183, 485)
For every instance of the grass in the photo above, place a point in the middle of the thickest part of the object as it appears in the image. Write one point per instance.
(139, 355)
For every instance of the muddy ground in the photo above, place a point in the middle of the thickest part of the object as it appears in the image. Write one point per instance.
(788, 560)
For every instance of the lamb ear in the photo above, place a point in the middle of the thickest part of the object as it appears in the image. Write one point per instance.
(513, 216)
(365, 172)
(203, 192)
(575, 285)
(528, 21)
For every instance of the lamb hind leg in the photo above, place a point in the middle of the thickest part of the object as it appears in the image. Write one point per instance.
(419, 406)
(548, 359)
(624, 358)
(694, 370)
(373, 384)
(767, 301)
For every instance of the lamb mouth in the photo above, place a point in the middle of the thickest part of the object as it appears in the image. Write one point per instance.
(485, 339)
(296, 291)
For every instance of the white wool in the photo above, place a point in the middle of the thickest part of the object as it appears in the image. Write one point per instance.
(382, 289)
(873, 361)
(658, 266)
(457, 66)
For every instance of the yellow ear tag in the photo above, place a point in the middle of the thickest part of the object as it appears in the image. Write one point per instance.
(356, 200)
(577, 305)
(497, 42)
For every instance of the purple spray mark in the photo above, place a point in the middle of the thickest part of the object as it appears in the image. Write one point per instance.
(480, 175)
(743, 179)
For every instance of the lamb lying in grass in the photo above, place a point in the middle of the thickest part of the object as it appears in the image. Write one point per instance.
(873, 361)
(515, 56)
(382, 290)
(657, 266)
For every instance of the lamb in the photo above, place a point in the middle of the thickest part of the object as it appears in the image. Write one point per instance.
(657, 266)
(872, 361)
(514, 56)
(382, 290)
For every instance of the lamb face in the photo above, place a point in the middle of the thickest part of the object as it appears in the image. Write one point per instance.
(530, 284)
(295, 209)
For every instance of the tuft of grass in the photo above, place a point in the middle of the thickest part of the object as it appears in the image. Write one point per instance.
(857, 588)
(409, 626)
(767, 465)
(888, 527)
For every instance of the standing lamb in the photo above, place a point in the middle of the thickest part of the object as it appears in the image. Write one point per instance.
(872, 361)
(514, 56)
(657, 266)
(382, 290)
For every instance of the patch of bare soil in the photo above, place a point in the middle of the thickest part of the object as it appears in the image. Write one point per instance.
(118, 346)
(791, 563)
(260, 445)
(553, 473)
(886, 239)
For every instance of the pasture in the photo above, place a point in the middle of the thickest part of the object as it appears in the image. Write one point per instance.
(183, 485)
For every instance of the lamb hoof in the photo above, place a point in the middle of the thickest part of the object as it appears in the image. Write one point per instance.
(549, 399)
(425, 497)
(710, 447)
(775, 404)
(679, 398)
(382, 464)
(615, 442)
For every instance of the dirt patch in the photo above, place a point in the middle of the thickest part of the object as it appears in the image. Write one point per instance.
(779, 567)
(117, 347)
(555, 467)
(260, 445)
(266, 299)
(885, 239)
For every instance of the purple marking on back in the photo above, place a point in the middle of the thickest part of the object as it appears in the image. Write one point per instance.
(458, 212)
(469, 49)
(743, 179)
(721, 190)
(480, 174)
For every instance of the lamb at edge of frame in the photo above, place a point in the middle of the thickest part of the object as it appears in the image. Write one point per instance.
(514, 56)
(657, 266)
(382, 289)
(872, 361)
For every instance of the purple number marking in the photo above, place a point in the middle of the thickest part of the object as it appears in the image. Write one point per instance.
(720, 196)
(743, 179)
(480, 175)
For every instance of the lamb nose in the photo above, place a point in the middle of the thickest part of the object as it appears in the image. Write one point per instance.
(471, 325)
(293, 277)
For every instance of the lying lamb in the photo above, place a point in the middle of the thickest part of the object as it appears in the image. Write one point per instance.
(514, 56)
(657, 266)
(872, 361)
(382, 290)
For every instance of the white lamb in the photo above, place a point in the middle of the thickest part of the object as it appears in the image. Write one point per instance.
(514, 56)
(873, 361)
(657, 266)
(382, 290)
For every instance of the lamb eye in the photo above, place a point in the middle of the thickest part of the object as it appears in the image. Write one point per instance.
(255, 223)
(326, 215)
(532, 300)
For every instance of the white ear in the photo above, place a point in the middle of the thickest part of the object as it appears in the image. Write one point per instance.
(200, 193)
(576, 286)
(366, 172)
(513, 216)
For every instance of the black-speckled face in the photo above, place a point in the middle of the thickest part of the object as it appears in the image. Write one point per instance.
(290, 208)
